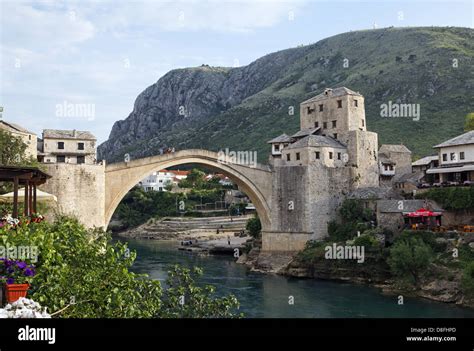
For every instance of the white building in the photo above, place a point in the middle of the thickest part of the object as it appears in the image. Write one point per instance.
(456, 159)
(157, 181)
(67, 146)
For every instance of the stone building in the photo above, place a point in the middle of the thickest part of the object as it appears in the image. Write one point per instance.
(29, 138)
(394, 162)
(332, 155)
(67, 146)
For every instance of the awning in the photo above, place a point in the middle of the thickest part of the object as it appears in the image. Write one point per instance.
(465, 168)
(422, 212)
(40, 196)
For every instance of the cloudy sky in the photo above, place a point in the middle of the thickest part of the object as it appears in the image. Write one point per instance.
(100, 55)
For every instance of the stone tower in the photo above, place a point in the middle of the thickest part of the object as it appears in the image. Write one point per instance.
(315, 168)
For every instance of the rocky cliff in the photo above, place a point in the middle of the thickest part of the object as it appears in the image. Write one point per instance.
(243, 107)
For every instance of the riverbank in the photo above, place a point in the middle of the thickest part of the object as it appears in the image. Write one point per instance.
(187, 228)
(441, 280)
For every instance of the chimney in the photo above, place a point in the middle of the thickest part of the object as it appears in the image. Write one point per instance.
(73, 133)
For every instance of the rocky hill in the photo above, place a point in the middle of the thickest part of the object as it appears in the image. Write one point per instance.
(241, 108)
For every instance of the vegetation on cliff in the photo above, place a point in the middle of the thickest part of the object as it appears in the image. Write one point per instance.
(452, 198)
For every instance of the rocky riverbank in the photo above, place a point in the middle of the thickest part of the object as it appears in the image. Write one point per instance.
(187, 228)
(441, 282)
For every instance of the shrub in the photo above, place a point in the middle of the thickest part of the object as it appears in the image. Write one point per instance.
(83, 274)
(467, 280)
(254, 226)
(408, 258)
(366, 240)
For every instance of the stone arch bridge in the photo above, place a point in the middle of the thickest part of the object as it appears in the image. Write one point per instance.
(254, 181)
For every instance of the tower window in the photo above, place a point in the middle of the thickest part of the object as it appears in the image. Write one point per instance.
(363, 123)
(356, 104)
(452, 156)
(60, 145)
(461, 155)
(335, 135)
(288, 158)
(80, 146)
(330, 155)
(445, 157)
(339, 103)
(317, 155)
(338, 155)
(316, 124)
(309, 110)
(321, 108)
(297, 156)
(325, 125)
(334, 123)
(277, 147)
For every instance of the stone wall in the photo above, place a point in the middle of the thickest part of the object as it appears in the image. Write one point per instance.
(80, 190)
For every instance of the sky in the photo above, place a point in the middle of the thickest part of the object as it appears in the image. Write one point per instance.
(81, 64)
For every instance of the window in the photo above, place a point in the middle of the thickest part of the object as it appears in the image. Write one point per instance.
(461, 155)
(339, 103)
(338, 155)
(61, 159)
(330, 155)
(317, 155)
(363, 123)
(81, 159)
(297, 156)
(452, 156)
(316, 124)
(325, 125)
(309, 110)
(321, 108)
(277, 147)
(356, 103)
(60, 144)
(334, 123)
(29, 137)
(288, 158)
(335, 135)
(445, 157)
(80, 146)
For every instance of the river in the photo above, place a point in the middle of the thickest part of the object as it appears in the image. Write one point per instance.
(268, 295)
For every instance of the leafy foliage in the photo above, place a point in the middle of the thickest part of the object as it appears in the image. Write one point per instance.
(409, 257)
(254, 226)
(469, 122)
(81, 273)
(354, 218)
(453, 198)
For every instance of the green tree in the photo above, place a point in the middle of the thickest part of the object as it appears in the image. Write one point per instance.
(469, 122)
(196, 177)
(409, 257)
(467, 280)
(254, 226)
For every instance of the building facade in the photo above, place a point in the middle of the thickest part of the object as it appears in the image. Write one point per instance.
(456, 160)
(67, 146)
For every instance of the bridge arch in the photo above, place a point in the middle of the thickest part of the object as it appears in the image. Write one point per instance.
(255, 182)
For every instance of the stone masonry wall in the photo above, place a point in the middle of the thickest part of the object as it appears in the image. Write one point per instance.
(80, 191)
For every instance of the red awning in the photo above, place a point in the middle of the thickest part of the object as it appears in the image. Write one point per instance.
(423, 212)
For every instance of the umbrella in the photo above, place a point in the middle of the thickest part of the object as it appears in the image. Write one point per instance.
(40, 196)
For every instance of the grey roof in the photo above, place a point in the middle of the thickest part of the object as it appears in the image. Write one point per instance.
(413, 178)
(280, 139)
(425, 160)
(466, 138)
(16, 127)
(373, 193)
(383, 158)
(68, 134)
(340, 91)
(393, 206)
(387, 148)
(305, 132)
(316, 140)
